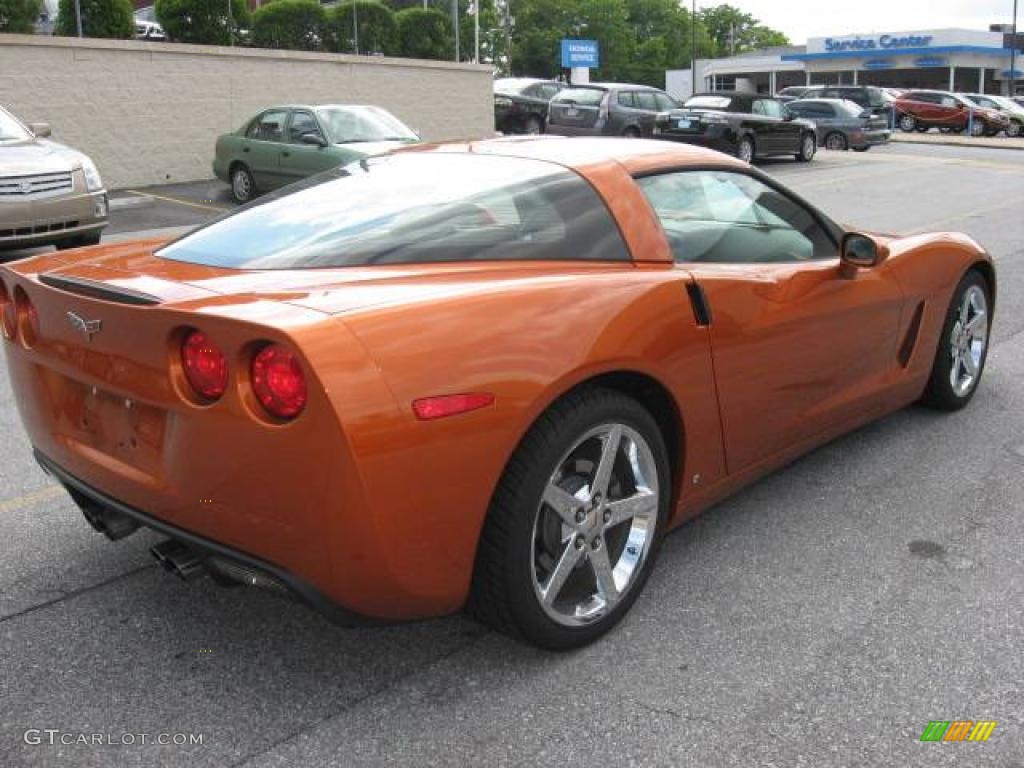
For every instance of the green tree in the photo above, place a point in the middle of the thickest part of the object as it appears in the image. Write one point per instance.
(425, 34)
(378, 30)
(100, 18)
(735, 31)
(202, 21)
(298, 25)
(18, 15)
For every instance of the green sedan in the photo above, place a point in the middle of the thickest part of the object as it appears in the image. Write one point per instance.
(284, 144)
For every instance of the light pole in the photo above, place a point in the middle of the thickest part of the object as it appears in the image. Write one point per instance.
(78, 17)
(455, 23)
(476, 31)
(355, 29)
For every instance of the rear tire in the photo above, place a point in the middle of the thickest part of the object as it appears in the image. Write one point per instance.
(243, 185)
(1013, 130)
(533, 126)
(631, 133)
(837, 141)
(553, 566)
(963, 346)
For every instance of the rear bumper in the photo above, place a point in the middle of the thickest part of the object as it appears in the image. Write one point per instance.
(574, 130)
(294, 585)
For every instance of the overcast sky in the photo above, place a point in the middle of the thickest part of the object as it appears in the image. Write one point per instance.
(801, 19)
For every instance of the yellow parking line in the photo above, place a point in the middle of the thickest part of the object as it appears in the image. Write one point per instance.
(179, 201)
(20, 502)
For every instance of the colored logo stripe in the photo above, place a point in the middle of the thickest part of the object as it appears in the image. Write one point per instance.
(958, 730)
(982, 730)
(935, 731)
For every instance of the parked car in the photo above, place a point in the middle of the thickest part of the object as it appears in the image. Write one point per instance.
(922, 110)
(866, 96)
(521, 103)
(607, 109)
(443, 383)
(149, 30)
(1013, 111)
(283, 144)
(791, 93)
(50, 194)
(747, 125)
(842, 124)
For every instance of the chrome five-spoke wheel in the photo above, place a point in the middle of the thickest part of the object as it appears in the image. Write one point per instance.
(595, 525)
(968, 340)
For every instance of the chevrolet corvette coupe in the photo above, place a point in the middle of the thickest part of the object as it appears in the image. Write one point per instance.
(485, 376)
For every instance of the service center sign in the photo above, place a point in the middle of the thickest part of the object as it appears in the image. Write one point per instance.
(880, 43)
(891, 43)
(580, 53)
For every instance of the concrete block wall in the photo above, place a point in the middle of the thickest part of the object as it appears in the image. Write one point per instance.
(149, 113)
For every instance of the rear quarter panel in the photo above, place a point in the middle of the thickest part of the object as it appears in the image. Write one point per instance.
(527, 340)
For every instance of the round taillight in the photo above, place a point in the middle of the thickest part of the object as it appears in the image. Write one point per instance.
(278, 381)
(8, 312)
(26, 310)
(205, 366)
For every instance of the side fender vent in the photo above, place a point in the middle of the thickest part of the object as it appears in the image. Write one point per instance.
(910, 341)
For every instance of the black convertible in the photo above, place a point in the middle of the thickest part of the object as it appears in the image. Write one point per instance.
(747, 125)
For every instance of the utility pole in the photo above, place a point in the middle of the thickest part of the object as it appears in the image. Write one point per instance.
(476, 31)
(1013, 54)
(78, 17)
(455, 23)
(693, 50)
(508, 36)
(355, 29)
(231, 24)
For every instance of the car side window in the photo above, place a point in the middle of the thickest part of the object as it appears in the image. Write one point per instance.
(768, 107)
(731, 218)
(626, 99)
(302, 123)
(665, 102)
(548, 91)
(949, 101)
(826, 110)
(269, 126)
(646, 100)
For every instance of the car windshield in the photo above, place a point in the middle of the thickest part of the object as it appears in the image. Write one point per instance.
(969, 101)
(11, 129)
(410, 208)
(708, 102)
(586, 96)
(1007, 104)
(346, 125)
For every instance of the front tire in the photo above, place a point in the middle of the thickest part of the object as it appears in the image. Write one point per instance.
(908, 123)
(243, 185)
(574, 527)
(533, 126)
(808, 146)
(963, 346)
(1013, 130)
(745, 151)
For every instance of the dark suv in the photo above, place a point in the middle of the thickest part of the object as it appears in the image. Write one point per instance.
(747, 125)
(521, 103)
(607, 109)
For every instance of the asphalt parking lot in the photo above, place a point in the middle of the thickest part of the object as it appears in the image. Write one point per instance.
(822, 617)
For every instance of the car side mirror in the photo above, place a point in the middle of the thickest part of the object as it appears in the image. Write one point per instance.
(40, 130)
(862, 251)
(315, 139)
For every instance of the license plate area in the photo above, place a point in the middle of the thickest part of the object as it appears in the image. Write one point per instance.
(115, 425)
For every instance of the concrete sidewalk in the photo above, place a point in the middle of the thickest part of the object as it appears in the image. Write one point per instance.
(955, 140)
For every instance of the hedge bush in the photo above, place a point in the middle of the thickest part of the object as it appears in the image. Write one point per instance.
(378, 30)
(18, 15)
(202, 21)
(297, 25)
(100, 18)
(425, 34)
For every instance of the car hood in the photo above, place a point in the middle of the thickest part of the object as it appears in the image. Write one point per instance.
(21, 158)
(374, 147)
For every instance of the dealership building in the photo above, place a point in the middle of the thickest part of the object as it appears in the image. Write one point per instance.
(943, 59)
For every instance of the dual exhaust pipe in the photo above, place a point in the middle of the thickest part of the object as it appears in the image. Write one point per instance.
(175, 557)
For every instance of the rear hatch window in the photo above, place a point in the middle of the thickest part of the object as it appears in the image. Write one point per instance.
(576, 106)
(412, 208)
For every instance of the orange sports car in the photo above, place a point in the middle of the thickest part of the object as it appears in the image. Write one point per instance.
(485, 375)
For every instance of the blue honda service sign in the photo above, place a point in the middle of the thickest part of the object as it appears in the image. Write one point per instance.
(580, 53)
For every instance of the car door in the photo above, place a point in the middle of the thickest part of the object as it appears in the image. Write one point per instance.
(779, 134)
(298, 159)
(647, 103)
(261, 150)
(799, 346)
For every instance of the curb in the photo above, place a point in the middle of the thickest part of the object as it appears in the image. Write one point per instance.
(1006, 143)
